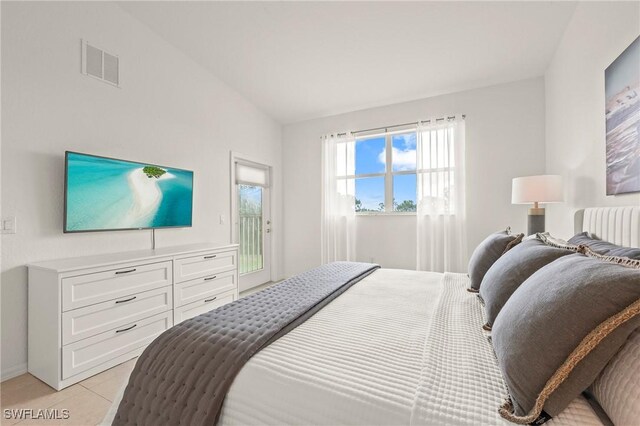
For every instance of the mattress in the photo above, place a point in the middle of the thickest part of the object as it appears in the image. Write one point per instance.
(397, 348)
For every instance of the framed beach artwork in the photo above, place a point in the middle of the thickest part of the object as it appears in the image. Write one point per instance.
(622, 90)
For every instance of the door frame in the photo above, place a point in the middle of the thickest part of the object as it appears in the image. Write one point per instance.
(236, 157)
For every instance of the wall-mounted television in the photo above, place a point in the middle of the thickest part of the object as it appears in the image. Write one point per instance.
(107, 194)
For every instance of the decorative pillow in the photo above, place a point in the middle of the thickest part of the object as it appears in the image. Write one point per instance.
(560, 328)
(617, 388)
(494, 246)
(512, 269)
(604, 247)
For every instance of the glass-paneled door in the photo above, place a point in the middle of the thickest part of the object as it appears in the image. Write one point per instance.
(253, 224)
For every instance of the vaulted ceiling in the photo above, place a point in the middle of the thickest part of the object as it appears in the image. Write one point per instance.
(302, 60)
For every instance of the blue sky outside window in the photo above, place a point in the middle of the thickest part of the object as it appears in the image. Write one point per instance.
(370, 158)
(370, 193)
(404, 152)
(404, 191)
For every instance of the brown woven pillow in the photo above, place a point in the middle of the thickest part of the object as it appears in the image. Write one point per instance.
(487, 252)
(561, 327)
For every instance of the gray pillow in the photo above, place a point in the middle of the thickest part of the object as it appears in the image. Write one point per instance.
(604, 247)
(487, 252)
(561, 327)
(511, 270)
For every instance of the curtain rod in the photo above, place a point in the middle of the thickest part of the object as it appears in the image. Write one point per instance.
(386, 128)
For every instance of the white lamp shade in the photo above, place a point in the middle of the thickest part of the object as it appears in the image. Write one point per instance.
(537, 189)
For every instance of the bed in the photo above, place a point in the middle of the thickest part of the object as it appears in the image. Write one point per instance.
(403, 347)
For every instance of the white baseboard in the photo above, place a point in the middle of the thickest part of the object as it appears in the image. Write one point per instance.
(12, 372)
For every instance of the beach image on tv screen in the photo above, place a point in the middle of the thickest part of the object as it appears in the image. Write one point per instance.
(104, 193)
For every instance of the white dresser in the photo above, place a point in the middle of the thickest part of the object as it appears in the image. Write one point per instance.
(88, 314)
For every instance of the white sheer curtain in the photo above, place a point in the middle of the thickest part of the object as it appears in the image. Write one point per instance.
(338, 227)
(441, 228)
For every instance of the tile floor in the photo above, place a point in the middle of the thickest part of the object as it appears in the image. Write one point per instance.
(87, 401)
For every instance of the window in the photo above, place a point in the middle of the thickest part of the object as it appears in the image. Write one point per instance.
(440, 184)
(382, 172)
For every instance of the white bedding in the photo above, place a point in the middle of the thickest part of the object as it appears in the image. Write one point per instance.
(365, 359)
(397, 348)
(357, 361)
(461, 383)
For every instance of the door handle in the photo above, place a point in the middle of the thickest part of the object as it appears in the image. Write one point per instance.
(210, 300)
(126, 329)
(210, 257)
(125, 272)
(210, 278)
(126, 300)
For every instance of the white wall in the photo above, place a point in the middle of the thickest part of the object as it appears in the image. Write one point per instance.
(505, 130)
(168, 111)
(575, 104)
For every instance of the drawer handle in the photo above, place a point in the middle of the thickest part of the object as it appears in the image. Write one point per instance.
(210, 300)
(125, 272)
(210, 278)
(126, 329)
(210, 257)
(126, 300)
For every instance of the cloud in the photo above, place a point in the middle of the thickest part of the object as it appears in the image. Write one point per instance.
(403, 159)
(408, 141)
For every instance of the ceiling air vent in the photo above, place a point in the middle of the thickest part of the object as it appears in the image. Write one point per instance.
(100, 64)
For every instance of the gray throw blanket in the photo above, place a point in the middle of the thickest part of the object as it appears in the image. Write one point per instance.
(183, 376)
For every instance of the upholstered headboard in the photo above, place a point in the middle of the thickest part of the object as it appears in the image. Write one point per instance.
(618, 225)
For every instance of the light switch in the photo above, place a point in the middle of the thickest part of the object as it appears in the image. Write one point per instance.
(9, 225)
(222, 219)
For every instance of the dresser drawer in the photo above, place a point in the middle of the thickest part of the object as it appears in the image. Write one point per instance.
(85, 322)
(201, 288)
(88, 353)
(89, 289)
(205, 265)
(200, 307)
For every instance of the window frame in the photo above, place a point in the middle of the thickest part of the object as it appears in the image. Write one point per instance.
(388, 174)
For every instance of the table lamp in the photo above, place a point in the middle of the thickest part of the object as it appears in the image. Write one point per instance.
(534, 190)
